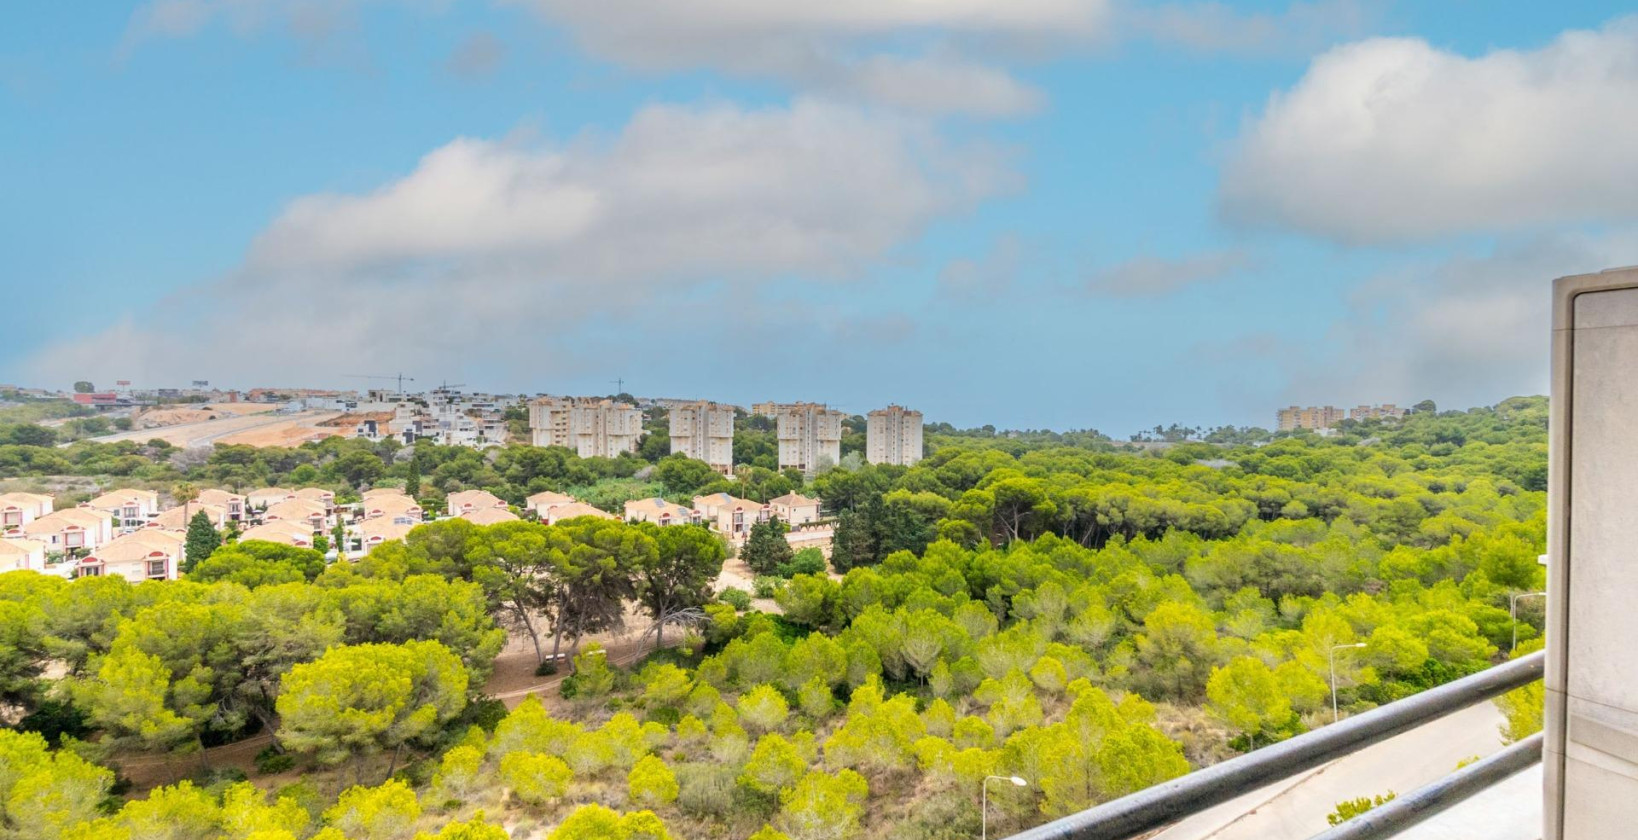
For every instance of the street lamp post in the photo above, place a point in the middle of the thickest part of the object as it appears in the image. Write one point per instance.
(1334, 649)
(1513, 613)
(984, 801)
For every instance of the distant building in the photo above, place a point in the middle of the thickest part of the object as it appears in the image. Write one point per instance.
(71, 529)
(704, 431)
(591, 427)
(1293, 418)
(488, 515)
(794, 509)
(893, 436)
(393, 507)
(131, 507)
(660, 512)
(574, 510)
(731, 516)
(19, 509)
(232, 502)
(810, 437)
(1385, 411)
(541, 503)
(281, 531)
(143, 555)
(18, 554)
(1327, 417)
(179, 517)
(467, 501)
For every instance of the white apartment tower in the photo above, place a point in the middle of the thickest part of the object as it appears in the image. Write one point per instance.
(591, 427)
(893, 436)
(704, 431)
(810, 436)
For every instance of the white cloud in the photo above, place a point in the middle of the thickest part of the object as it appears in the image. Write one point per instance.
(536, 256)
(1214, 27)
(924, 56)
(479, 55)
(986, 278)
(1159, 276)
(309, 20)
(1465, 331)
(1393, 139)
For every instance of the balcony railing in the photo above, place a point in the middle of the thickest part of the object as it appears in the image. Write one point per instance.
(1166, 803)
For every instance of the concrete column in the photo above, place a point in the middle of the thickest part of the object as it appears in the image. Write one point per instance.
(1591, 760)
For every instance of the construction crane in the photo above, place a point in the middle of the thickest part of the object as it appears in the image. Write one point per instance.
(400, 377)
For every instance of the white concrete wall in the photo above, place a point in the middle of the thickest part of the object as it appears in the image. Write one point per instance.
(1591, 763)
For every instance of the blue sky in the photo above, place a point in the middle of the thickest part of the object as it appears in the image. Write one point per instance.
(1032, 213)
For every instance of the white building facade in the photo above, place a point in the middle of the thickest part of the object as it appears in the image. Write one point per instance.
(592, 428)
(893, 436)
(810, 437)
(704, 431)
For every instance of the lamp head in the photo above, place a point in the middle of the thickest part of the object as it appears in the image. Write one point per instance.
(1017, 781)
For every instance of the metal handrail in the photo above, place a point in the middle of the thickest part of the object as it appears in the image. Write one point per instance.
(1400, 813)
(1168, 802)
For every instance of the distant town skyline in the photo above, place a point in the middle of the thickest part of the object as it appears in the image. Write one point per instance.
(1056, 214)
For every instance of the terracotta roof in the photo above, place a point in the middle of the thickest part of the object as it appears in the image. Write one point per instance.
(177, 518)
(383, 491)
(20, 546)
(214, 496)
(489, 516)
(558, 513)
(53, 522)
(294, 509)
(389, 505)
(317, 494)
(793, 500)
(550, 497)
(138, 546)
(29, 500)
(657, 505)
(474, 498)
(281, 531)
(118, 499)
(384, 529)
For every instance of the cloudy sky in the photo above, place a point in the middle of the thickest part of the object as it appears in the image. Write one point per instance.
(1032, 213)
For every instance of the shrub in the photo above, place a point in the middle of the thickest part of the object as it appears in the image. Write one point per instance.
(1347, 809)
(766, 586)
(739, 599)
(271, 761)
(808, 561)
(705, 790)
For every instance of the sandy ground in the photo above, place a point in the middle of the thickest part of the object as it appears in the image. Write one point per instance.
(256, 429)
(177, 415)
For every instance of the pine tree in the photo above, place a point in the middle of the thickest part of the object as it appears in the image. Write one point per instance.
(202, 541)
(766, 549)
(412, 482)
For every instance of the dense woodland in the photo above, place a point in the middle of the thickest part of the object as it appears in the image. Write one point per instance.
(1090, 618)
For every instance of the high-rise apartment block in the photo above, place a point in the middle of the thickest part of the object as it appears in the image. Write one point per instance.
(1327, 417)
(1309, 418)
(1384, 412)
(704, 431)
(810, 436)
(591, 427)
(893, 436)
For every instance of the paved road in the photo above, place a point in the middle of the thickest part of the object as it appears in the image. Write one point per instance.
(1295, 809)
